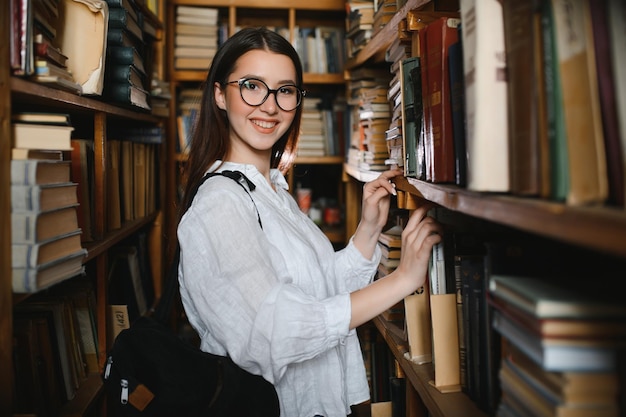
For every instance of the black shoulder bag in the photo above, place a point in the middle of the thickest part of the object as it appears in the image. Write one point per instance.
(150, 371)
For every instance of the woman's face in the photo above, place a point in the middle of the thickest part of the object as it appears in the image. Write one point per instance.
(255, 129)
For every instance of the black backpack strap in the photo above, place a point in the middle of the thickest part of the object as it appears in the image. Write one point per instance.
(163, 308)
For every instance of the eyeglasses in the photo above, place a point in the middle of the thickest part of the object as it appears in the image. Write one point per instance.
(254, 93)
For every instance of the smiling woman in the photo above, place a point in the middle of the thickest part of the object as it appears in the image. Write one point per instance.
(280, 301)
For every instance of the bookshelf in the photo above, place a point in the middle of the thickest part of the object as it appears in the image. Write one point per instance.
(285, 14)
(595, 231)
(93, 118)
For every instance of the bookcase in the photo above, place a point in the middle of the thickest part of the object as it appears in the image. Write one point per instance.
(93, 119)
(588, 236)
(287, 16)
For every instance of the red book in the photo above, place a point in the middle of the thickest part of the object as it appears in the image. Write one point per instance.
(440, 34)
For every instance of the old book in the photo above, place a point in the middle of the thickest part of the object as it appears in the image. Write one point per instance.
(391, 237)
(30, 280)
(127, 94)
(209, 31)
(484, 65)
(127, 5)
(44, 197)
(544, 299)
(121, 37)
(25, 153)
(123, 19)
(557, 356)
(606, 91)
(35, 255)
(125, 55)
(61, 119)
(39, 172)
(82, 167)
(617, 28)
(126, 182)
(524, 148)
(457, 109)
(193, 40)
(562, 327)
(38, 378)
(124, 73)
(411, 112)
(35, 226)
(58, 82)
(192, 63)
(41, 136)
(440, 34)
(581, 107)
(82, 33)
(114, 210)
(204, 51)
(139, 179)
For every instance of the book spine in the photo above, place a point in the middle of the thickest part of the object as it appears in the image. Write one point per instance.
(25, 198)
(484, 65)
(457, 109)
(24, 280)
(440, 34)
(24, 172)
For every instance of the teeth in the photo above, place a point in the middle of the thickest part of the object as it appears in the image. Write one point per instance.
(265, 125)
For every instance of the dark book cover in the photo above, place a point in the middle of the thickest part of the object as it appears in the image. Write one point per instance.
(457, 104)
(410, 125)
(121, 18)
(126, 55)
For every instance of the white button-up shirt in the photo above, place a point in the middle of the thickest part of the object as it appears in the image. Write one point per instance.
(276, 299)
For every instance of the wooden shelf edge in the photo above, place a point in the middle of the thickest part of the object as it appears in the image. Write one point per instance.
(97, 248)
(90, 389)
(599, 228)
(23, 89)
(438, 404)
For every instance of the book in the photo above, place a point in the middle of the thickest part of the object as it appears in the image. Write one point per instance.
(411, 111)
(193, 63)
(39, 172)
(558, 356)
(125, 55)
(30, 280)
(38, 254)
(59, 82)
(82, 166)
(606, 91)
(538, 402)
(47, 51)
(114, 209)
(125, 282)
(128, 5)
(524, 147)
(38, 378)
(566, 387)
(209, 31)
(617, 22)
(124, 73)
(121, 18)
(484, 66)
(575, 58)
(25, 153)
(41, 136)
(193, 40)
(61, 119)
(391, 237)
(82, 33)
(121, 37)
(44, 197)
(440, 34)
(544, 299)
(35, 226)
(457, 109)
(128, 94)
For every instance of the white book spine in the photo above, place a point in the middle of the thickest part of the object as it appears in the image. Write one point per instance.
(25, 198)
(484, 65)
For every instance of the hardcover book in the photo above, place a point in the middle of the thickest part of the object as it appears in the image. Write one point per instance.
(39, 172)
(34, 226)
(35, 255)
(44, 197)
(41, 136)
(30, 280)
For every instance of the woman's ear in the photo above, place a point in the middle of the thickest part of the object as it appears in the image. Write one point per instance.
(220, 99)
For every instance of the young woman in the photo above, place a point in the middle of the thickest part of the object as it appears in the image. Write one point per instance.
(276, 297)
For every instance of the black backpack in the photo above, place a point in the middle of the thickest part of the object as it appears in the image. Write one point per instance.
(151, 371)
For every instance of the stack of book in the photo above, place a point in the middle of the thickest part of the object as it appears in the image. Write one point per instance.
(359, 25)
(374, 120)
(46, 242)
(125, 79)
(312, 140)
(555, 338)
(195, 37)
(390, 242)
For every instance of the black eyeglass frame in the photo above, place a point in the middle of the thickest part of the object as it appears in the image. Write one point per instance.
(241, 82)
